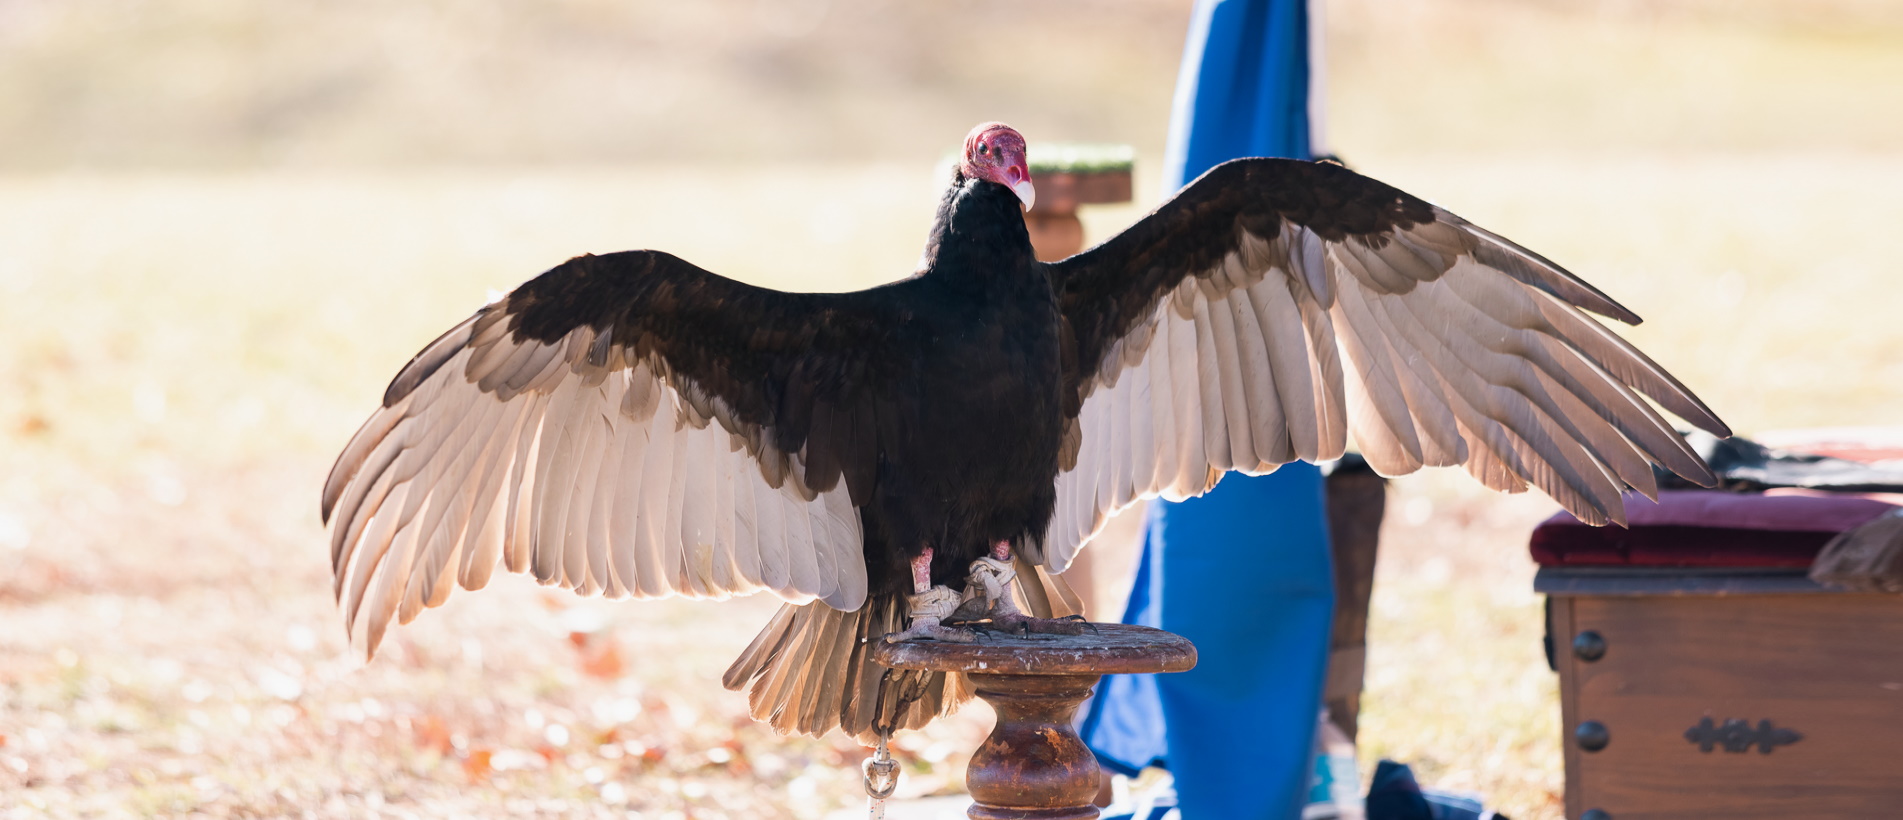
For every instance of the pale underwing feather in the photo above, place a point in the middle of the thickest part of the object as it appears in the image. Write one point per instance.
(1186, 393)
(1435, 343)
(1378, 413)
(1207, 395)
(1231, 398)
(1487, 347)
(1261, 409)
(563, 468)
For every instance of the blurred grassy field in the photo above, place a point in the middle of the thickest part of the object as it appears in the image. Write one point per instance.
(185, 350)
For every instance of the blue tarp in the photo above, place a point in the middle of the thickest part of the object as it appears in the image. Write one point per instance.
(1244, 87)
(1243, 571)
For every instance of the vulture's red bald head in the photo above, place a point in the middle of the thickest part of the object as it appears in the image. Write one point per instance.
(995, 151)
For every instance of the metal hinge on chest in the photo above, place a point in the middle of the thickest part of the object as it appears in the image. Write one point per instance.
(1738, 736)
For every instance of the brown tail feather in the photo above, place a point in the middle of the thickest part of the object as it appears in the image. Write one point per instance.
(808, 672)
(1045, 595)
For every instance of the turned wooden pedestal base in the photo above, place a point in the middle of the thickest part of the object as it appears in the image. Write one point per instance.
(1033, 765)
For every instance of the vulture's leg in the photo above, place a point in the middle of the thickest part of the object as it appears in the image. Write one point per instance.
(991, 583)
(928, 605)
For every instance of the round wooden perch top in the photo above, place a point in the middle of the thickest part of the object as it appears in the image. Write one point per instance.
(1033, 765)
(1103, 649)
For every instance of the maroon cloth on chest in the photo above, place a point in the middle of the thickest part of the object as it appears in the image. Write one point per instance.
(1706, 528)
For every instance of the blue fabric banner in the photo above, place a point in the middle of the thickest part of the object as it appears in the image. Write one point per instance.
(1244, 87)
(1243, 571)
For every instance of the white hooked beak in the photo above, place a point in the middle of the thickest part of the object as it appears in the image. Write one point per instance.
(1026, 193)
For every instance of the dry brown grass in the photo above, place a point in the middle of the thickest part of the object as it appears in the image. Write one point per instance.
(183, 353)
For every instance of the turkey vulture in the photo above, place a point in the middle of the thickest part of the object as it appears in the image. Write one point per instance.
(632, 425)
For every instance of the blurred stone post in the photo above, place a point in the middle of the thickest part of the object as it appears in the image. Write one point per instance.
(1068, 175)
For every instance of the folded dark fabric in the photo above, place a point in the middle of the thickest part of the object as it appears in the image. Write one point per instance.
(1745, 465)
(1707, 528)
(1394, 794)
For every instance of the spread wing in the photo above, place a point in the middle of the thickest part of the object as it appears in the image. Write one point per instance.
(1274, 306)
(627, 424)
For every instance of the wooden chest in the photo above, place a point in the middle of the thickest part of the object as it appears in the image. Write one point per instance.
(1716, 693)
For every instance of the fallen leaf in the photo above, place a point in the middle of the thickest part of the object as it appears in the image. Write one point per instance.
(477, 766)
(432, 734)
(603, 660)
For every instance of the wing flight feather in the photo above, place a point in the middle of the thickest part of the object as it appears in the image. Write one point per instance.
(601, 429)
(1274, 306)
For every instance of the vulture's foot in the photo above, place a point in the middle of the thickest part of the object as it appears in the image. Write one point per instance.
(977, 616)
(990, 606)
(1018, 623)
(929, 609)
(928, 629)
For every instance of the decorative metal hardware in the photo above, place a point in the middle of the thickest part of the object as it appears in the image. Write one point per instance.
(1592, 736)
(1589, 646)
(1738, 736)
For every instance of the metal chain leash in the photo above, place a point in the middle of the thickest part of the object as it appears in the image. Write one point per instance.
(880, 770)
(882, 779)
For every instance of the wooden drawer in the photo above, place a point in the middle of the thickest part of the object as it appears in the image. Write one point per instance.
(1828, 667)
